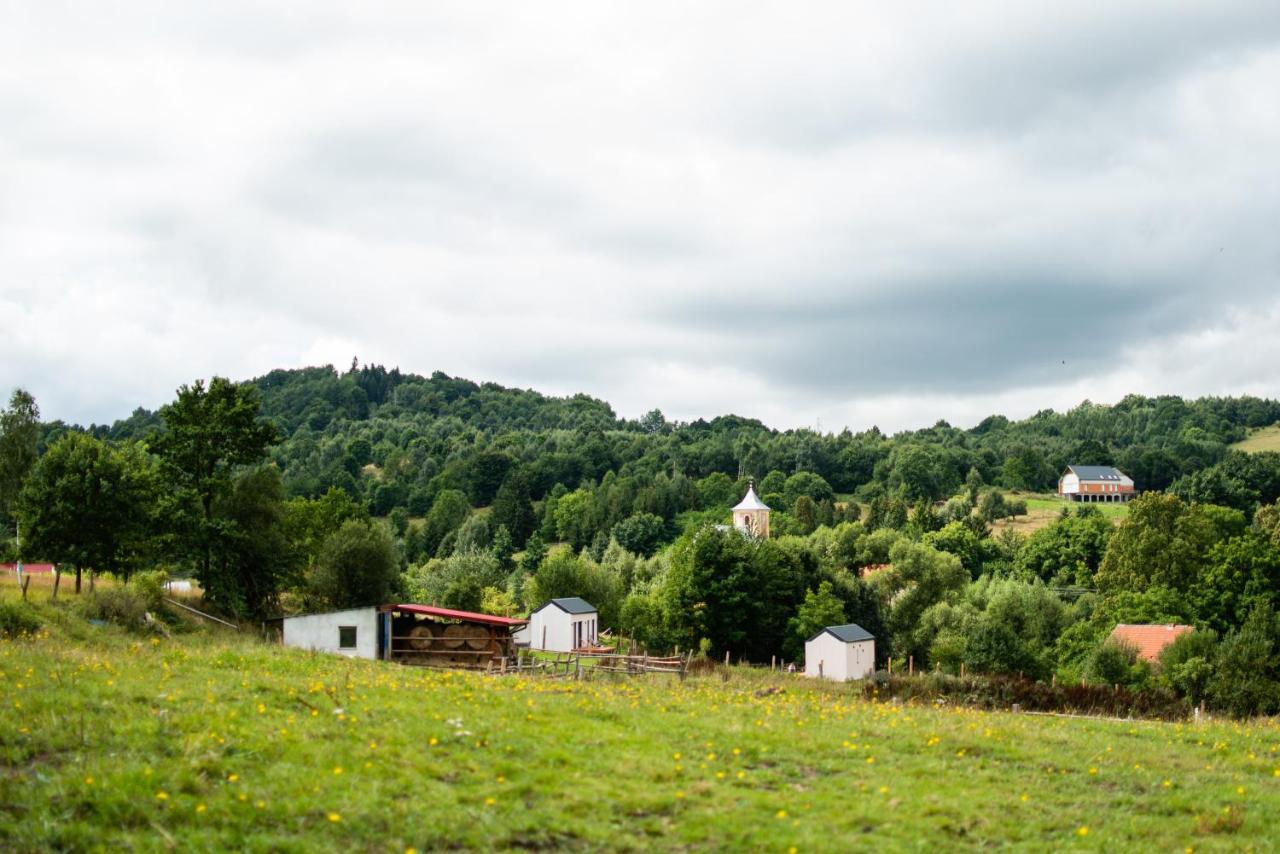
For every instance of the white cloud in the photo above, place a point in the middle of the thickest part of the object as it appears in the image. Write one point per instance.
(860, 214)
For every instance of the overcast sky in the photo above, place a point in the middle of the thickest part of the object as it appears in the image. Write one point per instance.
(835, 214)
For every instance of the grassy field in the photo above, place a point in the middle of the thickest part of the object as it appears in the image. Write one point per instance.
(1043, 510)
(109, 741)
(1261, 439)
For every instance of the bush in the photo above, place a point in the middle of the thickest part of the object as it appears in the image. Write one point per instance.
(1116, 663)
(1244, 682)
(1002, 692)
(124, 606)
(18, 619)
(150, 586)
(1186, 665)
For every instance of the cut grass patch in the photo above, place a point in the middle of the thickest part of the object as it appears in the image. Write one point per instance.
(214, 744)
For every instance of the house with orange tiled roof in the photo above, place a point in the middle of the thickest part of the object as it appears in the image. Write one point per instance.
(1149, 640)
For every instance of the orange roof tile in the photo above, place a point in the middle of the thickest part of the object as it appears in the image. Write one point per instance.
(1148, 639)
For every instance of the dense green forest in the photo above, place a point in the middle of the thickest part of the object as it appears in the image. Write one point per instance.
(312, 488)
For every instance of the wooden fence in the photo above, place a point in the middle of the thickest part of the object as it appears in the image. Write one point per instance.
(581, 665)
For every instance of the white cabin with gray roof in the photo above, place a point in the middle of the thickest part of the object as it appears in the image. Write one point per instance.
(1095, 483)
(561, 625)
(840, 653)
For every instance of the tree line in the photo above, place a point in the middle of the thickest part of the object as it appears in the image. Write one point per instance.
(308, 489)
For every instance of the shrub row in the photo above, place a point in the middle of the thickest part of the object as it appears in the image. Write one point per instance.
(1002, 692)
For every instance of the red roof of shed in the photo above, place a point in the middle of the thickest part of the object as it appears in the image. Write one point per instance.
(33, 568)
(1148, 639)
(450, 614)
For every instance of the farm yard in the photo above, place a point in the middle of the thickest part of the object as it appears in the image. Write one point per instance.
(214, 742)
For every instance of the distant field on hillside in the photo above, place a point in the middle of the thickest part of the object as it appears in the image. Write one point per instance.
(1043, 510)
(1261, 439)
(115, 742)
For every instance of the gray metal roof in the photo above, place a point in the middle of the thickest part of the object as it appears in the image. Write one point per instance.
(852, 633)
(1097, 472)
(572, 605)
(751, 501)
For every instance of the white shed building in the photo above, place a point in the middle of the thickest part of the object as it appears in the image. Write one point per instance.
(352, 632)
(561, 625)
(840, 653)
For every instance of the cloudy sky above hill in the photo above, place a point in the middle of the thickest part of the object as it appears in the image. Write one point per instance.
(852, 214)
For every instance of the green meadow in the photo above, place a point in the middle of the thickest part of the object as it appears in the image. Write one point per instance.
(209, 742)
(1260, 439)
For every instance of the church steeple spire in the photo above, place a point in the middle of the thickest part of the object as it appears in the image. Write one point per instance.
(751, 514)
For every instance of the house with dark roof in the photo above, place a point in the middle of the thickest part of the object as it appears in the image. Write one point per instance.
(561, 625)
(840, 653)
(1095, 483)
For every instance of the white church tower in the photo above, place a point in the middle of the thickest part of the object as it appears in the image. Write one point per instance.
(752, 515)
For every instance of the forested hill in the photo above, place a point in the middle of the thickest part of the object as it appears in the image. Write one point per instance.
(398, 439)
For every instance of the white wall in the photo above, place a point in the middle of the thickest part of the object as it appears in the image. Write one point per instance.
(1070, 483)
(560, 629)
(860, 659)
(840, 661)
(320, 631)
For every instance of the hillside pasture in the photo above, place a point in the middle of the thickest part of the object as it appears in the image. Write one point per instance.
(1043, 510)
(1260, 439)
(118, 742)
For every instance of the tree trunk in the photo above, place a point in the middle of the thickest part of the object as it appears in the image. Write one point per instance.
(77, 579)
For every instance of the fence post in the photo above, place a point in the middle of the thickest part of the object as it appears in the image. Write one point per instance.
(26, 582)
(57, 581)
(726, 658)
(890, 665)
(820, 662)
(911, 665)
(773, 663)
(962, 670)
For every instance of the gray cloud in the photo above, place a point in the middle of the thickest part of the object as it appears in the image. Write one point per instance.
(858, 215)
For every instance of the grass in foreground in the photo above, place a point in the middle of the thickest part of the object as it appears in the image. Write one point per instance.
(208, 744)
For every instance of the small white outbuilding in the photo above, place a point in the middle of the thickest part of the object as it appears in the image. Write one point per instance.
(840, 653)
(561, 625)
(353, 632)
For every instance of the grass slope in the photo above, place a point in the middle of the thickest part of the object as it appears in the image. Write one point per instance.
(201, 743)
(1043, 511)
(1261, 439)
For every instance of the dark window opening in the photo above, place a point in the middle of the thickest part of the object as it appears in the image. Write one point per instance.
(346, 637)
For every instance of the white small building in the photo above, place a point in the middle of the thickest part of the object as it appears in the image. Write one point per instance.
(353, 632)
(561, 625)
(840, 653)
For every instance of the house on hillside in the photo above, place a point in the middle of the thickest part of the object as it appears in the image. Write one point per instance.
(561, 625)
(840, 653)
(1095, 483)
(1147, 639)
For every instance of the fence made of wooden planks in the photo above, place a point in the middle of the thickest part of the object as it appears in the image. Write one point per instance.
(634, 665)
(580, 665)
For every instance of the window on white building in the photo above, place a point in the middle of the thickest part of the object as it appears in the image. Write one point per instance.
(347, 637)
